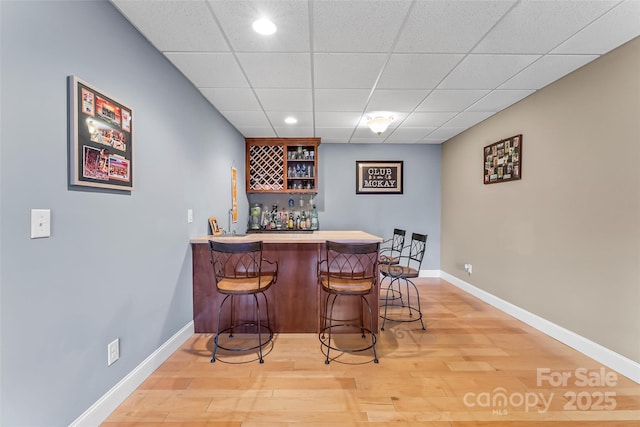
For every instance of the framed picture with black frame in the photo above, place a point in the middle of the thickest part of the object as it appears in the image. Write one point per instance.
(100, 138)
(379, 177)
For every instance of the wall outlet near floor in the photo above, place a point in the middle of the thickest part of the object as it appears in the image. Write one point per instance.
(468, 268)
(113, 351)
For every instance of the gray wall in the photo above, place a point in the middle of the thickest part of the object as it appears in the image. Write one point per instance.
(340, 208)
(116, 265)
(564, 241)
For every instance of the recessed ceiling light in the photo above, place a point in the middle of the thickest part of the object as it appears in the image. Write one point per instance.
(291, 120)
(264, 26)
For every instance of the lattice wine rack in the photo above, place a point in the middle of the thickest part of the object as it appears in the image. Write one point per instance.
(266, 167)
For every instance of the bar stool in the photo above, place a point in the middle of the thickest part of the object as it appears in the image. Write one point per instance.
(237, 269)
(401, 274)
(348, 270)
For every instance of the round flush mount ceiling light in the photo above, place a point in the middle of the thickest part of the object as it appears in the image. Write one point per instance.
(264, 26)
(379, 124)
(291, 120)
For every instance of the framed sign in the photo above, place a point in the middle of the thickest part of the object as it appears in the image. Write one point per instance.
(378, 177)
(503, 160)
(100, 138)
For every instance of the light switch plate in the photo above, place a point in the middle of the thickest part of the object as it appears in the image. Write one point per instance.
(189, 216)
(40, 223)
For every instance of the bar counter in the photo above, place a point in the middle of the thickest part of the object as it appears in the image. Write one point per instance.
(294, 300)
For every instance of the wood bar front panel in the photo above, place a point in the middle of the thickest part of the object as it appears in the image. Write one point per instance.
(294, 300)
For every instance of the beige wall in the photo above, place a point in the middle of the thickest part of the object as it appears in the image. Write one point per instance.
(564, 241)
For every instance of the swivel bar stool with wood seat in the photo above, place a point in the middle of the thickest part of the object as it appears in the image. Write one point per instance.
(237, 269)
(348, 270)
(402, 308)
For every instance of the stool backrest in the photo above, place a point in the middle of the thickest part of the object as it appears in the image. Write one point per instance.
(397, 241)
(352, 260)
(236, 260)
(417, 250)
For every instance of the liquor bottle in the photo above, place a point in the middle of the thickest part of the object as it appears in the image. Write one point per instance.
(303, 221)
(314, 219)
(308, 222)
(290, 225)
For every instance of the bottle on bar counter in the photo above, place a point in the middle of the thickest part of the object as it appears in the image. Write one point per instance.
(314, 219)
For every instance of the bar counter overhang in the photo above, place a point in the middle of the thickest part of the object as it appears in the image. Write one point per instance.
(294, 300)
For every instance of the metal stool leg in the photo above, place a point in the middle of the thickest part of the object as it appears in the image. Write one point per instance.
(215, 337)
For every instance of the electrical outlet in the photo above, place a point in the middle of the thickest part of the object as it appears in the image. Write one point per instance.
(189, 216)
(113, 351)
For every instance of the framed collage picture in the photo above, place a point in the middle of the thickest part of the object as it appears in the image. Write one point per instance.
(100, 139)
(503, 160)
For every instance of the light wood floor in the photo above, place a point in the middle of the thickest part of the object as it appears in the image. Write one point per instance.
(448, 375)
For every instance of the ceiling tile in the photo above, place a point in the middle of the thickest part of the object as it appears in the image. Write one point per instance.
(356, 26)
(365, 132)
(409, 71)
(341, 99)
(294, 132)
(450, 100)
(498, 100)
(547, 69)
(427, 119)
(305, 119)
(445, 132)
(408, 133)
(277, 70)
(539, 26)
(334, 119)
(290, 17)
(449, 26)
(285, 99)
(485, 71)
(209, 69)
(597, 38)
(396, 100)
(346, 71)
(334, 133)
(468, 119)
(256, 132)
(247, 118)
(175, 25)
(230, 99)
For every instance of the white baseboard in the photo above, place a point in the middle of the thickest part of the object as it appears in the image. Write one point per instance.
(99, 411)
(429, 273)
(609, 358)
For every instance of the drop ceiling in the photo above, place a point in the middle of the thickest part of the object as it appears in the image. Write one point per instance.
(437, 67)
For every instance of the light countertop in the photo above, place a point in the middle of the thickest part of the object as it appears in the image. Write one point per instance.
(320, 236)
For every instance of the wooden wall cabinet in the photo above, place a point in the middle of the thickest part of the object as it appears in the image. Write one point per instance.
(282, 165)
